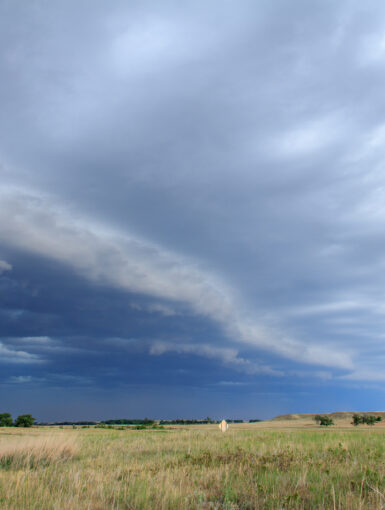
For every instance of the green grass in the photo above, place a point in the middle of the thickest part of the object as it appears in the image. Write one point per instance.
(200, 469)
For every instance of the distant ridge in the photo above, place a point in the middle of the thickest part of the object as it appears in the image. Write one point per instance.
(338, 415)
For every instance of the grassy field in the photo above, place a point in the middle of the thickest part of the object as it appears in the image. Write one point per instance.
(276, 465)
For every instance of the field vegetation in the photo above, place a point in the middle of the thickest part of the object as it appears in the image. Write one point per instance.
(273, 465)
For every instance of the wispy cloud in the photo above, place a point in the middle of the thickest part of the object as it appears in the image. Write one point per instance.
(34, 340)
(225, 355)
(307, 138)
(25, 379)
(231, 383)
(4, 266)
(8, 355)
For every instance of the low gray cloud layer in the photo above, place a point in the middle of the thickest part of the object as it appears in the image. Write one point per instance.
(224, 159)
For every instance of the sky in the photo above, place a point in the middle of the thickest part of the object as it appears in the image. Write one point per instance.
(192, 208)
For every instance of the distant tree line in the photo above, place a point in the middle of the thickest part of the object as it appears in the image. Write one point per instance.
(205, 421)
(62, 423)
(24, 420)
(178, 421)
(365, 419)
(187, 422)
(127, 421)
(27, 420)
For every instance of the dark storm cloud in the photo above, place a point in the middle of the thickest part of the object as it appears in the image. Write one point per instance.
(51, 317)
(211, 170)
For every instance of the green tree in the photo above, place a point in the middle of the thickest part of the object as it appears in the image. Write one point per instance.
(24, 420)
(326, 421)
(317, 419)
(368, 420)
(371, 420)
(357, 419)
(6, 420)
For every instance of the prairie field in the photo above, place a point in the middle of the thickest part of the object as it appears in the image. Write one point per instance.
(273, 465)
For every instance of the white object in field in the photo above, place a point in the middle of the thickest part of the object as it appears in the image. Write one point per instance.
(223, 426)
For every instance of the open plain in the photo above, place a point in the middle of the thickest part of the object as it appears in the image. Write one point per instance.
(285, 463)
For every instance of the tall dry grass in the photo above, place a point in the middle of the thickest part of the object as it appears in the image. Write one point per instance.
(29, 452)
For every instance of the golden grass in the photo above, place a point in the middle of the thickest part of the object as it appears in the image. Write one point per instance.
(31, 451)
(249, 467)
